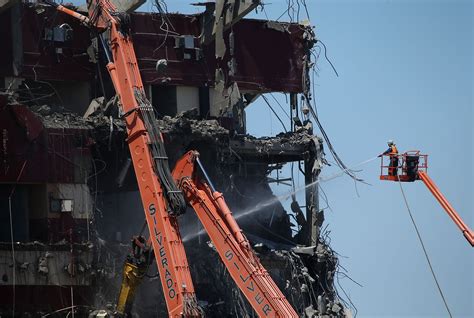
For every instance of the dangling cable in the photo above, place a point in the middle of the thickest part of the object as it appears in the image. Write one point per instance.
(424, 249)
(11, 235)
(337, 159)
(274, 112)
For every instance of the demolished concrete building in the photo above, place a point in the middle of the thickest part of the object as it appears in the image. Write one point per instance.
(69, 201)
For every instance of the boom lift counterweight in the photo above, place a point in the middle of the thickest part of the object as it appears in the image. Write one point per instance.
(413, 166)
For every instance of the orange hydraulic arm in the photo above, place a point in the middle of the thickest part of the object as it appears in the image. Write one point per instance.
(161, 199)
(234, 249)
(412, 166)
(468, 233)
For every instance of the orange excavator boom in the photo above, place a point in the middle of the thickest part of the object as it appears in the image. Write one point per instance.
(161, 199)
(233, 248)
(466, 231)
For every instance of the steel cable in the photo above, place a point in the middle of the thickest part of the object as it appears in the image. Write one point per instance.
(424, 249)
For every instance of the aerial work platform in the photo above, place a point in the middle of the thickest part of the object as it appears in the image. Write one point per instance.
(411, 166)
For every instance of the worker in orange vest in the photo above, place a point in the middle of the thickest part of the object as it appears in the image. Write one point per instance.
(392, 151)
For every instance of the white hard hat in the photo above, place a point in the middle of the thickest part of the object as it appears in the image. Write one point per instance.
(390, 142)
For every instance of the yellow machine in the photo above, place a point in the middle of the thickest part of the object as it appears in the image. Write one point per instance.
(134, 270)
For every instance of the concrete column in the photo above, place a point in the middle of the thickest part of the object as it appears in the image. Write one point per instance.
(312, 201)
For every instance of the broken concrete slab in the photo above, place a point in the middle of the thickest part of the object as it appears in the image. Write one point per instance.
(95, 106)
(306, 250)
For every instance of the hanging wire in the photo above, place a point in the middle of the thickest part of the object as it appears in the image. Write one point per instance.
(350, 304)
(11, 235)
(293, 9)
(311, 103)
(162, 9)
(13, 255)
(290, 6)
(264, 11)
(338, 160)
(306, 9)
(424, 248)
(325, 199)
(64, 309)
(327, 58)
(281, 107)
(274, 112)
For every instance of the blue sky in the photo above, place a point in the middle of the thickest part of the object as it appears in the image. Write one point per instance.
(406, 73)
